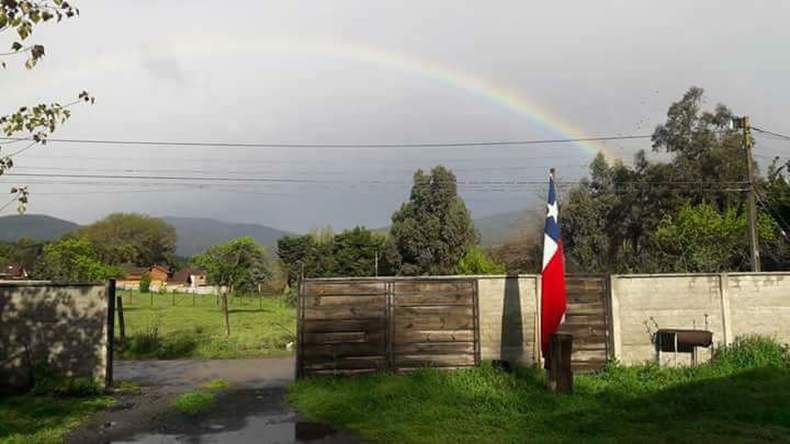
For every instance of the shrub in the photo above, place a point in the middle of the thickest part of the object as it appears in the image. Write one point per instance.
(753, 352)
(145, 283)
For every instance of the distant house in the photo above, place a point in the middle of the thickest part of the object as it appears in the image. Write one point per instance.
(191, 277)
(159, 275)
(13, 272)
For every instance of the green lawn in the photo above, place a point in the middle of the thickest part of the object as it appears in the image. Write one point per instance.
(44, 419)
(743, 397)
(164, 330)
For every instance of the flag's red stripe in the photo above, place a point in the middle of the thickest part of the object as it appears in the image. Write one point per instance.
(553, 297)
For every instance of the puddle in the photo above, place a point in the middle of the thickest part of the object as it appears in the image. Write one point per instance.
(268, 429)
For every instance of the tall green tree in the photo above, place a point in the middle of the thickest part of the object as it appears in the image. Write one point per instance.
(609, 221)
(122, 238)
(433, 230)
(73, 261)
(18, 20)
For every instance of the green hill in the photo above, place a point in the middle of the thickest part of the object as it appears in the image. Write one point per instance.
(34, 226)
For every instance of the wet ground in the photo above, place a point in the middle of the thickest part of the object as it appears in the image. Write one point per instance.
(254, 410)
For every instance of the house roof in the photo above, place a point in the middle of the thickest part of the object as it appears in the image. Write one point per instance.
(182, 275)
(13, 270)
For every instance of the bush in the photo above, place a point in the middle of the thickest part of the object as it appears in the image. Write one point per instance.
(753, 352)
(145, 283)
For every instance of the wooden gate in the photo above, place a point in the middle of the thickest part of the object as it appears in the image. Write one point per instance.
(587, 319)
(349, 326)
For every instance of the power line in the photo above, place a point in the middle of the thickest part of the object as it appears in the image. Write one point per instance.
(773, 133)
(338, 145)
(321, 181)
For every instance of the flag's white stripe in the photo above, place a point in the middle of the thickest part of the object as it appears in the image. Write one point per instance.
(549, 248)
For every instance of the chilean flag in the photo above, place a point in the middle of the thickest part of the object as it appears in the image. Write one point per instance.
(553, 299)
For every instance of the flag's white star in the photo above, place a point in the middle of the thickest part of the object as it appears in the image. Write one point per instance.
(553, 211)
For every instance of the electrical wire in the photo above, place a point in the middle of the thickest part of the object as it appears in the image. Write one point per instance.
(339, 145)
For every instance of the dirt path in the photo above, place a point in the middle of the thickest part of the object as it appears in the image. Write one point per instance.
(253, 410)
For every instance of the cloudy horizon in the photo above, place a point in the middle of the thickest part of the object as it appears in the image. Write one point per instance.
(353, 72)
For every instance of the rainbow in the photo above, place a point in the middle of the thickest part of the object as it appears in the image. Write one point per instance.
(465, 81)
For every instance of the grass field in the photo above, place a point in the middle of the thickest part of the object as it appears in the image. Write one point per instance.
(743, 397)
(167, 326)
(44, 419)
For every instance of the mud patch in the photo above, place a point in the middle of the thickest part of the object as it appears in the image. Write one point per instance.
(240, 416)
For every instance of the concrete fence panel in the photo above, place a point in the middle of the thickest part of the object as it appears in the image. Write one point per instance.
(62, 326)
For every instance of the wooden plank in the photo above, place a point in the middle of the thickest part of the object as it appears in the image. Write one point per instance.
(430, 298)
(361, 371)
(350, 325)
(595, 308)
(343, 288)
(455, 360)
(435, 348)
(348, 363)
(343, 337)
(346, 300)
(436, 323)
(340, 312)
(408, 336)
(433, 287)
(313, 352)
(583, 298)
(450, 311)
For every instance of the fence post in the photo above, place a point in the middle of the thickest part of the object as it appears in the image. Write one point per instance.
(559, 377)
(727, 335)
(110, 331)
(614, 317)
(121, 322)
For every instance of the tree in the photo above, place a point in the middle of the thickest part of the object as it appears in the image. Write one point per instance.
(128, 238)
(700, 239)
(350, 253)
(72, 261)
(433, 230)
(355, 252)
(477, 261)
(31, 124)
(236, 265)
(609, 221)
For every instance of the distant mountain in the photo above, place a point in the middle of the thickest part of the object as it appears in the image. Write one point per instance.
(34, 226)
(195, 235)
(498, 228)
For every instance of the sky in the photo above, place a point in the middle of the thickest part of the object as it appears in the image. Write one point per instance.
(361, 72)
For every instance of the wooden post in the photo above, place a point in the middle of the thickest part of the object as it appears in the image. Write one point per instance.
(559, 377)
(121, 322)
(110, 331)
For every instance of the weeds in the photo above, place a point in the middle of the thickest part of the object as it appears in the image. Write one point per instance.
(194, 402)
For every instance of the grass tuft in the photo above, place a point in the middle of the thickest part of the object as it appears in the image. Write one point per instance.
(194, 402)
(215, 385)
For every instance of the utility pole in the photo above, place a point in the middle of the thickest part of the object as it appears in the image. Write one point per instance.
(377, 263)
(745, 123)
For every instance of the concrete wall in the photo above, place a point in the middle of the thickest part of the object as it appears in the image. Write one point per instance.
(63, 325)
(729, 305)
(508, 307)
